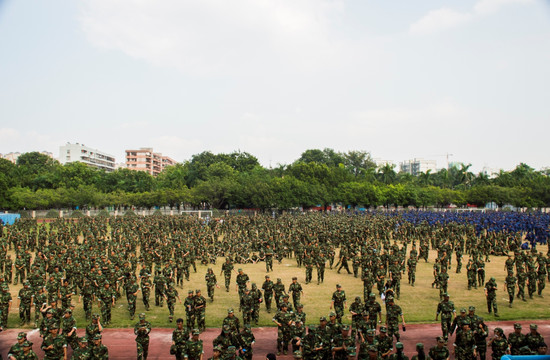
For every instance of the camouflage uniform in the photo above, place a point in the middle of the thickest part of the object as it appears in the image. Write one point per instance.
(142, 330)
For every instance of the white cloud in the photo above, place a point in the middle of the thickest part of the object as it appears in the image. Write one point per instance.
(215, 36)
(445, 18)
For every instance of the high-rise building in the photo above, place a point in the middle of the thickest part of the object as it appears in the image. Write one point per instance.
(91, 157)
(145, 159)
(417, 166)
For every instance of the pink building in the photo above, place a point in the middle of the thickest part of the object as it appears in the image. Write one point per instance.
(146, 160)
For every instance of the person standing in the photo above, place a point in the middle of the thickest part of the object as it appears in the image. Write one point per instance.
(227, 268)
(142, 330)
(267, 287)
(338, 302)
(211, 283)
(296, 290)
(491, 295)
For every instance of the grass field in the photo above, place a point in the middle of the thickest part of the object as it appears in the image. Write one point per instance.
(419, 303)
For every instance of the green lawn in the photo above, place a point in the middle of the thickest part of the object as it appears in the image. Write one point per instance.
(419, 303)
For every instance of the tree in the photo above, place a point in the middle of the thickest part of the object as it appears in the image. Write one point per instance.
(358, 163)
(386, 174)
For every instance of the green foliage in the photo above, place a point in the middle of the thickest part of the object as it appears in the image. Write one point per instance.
(77, 214)
(130, 213)
(236, 180)
(103, 214)
(52, 214)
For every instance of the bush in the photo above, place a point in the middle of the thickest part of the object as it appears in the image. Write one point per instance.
(77, 214)
(25, 214)
(130, 213)
(157, 212)
(52, 214)
(103, 214)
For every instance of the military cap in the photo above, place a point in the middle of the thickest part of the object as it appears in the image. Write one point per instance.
(542, 344)
(285, 296)
(198, 291)
(446, 294)
(231, 348)
(53, 327)
(463, 310)
(372, 295)
(283, 304)
(322, 318)
(371, 332)
(21, 335)
(49, 311)
(389, 298)
(399, 345)
(26, 343)
(26, 283)
(312, 326)
(297, 354)
(466, 322)
(365, 313)
(246, 326)
(345, 328)
(196, 332)
(383, 329)
(352, 351)
(278, 279)
(218, 348)
(499, 330)
(372, 348)
(472, 308)
(97, 337)
(83, 339)
(419, 346)
(240, 270)
(338, 285)
(331, 314)
(440, 339)
(267, 276)
(299, 305)
(106, 282)
(517, 326)
(68, 311)
(533, 326)
(358, 298)
(230, 310)
(294, 278)
(190, 292)
(95, 316)
(493, 279)
(142, 316)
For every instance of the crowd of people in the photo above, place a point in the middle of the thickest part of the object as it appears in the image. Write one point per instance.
(103, 260)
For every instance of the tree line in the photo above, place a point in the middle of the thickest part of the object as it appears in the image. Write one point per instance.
(237, 180)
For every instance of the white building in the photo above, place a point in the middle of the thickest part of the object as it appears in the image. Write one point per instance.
(91, 157)
(417, 166)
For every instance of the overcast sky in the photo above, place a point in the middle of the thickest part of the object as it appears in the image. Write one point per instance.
(400, 79)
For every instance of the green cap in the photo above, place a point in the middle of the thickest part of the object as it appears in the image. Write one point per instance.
(399, 345)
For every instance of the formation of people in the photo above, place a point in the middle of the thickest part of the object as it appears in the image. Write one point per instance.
(100, 261)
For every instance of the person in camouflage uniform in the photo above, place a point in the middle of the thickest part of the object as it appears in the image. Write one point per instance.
(146, 287)
(295, 289)
(343, 344)
(82, 352)
(283, 319)
(320, 263)
(132, 290)
(375, 311)
(189, 304)
(171, 295)
(199, 309)
(267, 287)
(393, 313)
(385, 343)
(516, 339)
(279, 291)
(16, 349)
(93, 329)
(498, 344)
(5, 305)
(232, 321)
(54, 345)
(411, 269)
(25, 302)
(256, 295)
(160, 288)
(99, 350)
(355, 309)
(481, 332)
(211, 283)
(68, 326)
(87, 297)
(142, 330)
(194, 347)
(471, 274)
(491, 295)
(247, 306)
(533, 339)
(179, 339)
(440, 351)
(227, 268)
(510, 283)
(246, 340)
(465, 345)
(106, 299)
(447, 310)
(242, 282)
(338, 302)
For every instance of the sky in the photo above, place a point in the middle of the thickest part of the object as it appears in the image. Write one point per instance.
(400, 79)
